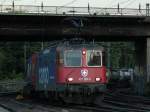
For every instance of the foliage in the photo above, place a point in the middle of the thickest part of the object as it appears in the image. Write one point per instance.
(122, 55)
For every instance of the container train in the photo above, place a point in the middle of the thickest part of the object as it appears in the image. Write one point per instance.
(71, 72)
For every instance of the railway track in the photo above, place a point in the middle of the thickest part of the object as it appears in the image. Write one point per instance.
(31, 106)
(2, 109)
(127, 102)
(112, 102)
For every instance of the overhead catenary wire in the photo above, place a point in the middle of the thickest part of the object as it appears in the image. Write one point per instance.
(121, 3)
(2, 2)
(129, 3)
(69, 3)
(66, 4)
(112, 2)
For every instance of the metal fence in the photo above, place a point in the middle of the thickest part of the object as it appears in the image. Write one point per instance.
(29, 9)
(11, 86)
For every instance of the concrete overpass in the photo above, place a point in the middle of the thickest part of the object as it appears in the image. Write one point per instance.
(39, 27)
(115, 26)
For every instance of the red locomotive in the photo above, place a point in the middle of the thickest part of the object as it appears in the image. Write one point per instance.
(81, 65)
(69, 71)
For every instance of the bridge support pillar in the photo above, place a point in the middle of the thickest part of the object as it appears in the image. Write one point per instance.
(148, 59)
(140, 57)
(140, 69)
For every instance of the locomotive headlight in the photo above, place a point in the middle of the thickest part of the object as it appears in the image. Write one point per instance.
(98, 79)
(70, 79)
(83, 52)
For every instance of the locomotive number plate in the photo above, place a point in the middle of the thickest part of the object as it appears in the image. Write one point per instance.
(84, 79)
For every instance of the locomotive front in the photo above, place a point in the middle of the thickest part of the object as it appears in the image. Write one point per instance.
(81, 65)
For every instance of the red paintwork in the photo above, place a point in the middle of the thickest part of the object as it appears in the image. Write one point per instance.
(65, 72)
(75, 72)
(33, 75)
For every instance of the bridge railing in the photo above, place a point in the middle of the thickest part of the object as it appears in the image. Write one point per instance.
(27, 9)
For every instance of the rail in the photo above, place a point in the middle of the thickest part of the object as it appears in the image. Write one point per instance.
(59, 10)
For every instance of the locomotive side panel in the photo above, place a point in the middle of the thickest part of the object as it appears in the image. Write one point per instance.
(33, 71)
(46, 70)
(29, 71)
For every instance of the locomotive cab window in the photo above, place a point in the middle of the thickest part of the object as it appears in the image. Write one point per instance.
(94, 58)
(72, 58)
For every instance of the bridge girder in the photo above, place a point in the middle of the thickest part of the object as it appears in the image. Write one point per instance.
(38, 27)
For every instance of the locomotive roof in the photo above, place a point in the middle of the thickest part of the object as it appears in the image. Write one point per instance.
(80, 46)
(65, 45)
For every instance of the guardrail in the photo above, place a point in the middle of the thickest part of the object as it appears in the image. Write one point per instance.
(11, 86)
(91, 11)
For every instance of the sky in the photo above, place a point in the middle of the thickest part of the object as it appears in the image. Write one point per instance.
(81, 3)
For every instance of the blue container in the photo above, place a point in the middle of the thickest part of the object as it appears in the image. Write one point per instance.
(46, 70)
